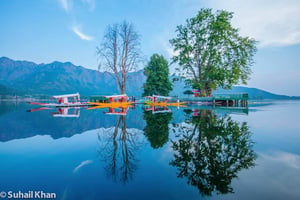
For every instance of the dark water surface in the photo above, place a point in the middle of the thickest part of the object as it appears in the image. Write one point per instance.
(189, 153)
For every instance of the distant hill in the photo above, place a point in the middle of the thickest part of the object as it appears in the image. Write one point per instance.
(60, 78)
(5, 90)
(255, 93)
(23, 77)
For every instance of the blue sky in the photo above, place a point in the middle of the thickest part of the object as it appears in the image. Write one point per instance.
(69, 30)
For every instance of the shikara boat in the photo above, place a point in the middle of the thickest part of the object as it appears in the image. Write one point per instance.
(66, 100)
(113, 101)
(156, 100)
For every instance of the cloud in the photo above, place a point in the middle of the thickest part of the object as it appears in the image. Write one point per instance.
(170, 51)
(82, 164)
(289, 159)
(70, 8)
(275, 176)
(271, 22)
(78, 32)
(65, 4)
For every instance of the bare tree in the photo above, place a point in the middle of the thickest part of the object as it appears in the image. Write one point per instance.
(117, 149)
(119, 52)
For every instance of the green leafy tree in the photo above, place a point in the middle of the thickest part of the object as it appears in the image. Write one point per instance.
(157, 128)
(211, 53)
(157, 72)
(211, 151)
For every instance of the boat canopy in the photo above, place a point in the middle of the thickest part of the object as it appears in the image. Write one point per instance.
(66, 96)
(117, 96)
(154, 98)
(161, 97)
(63, 99)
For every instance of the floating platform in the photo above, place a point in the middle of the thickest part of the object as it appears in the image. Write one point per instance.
(228, 100)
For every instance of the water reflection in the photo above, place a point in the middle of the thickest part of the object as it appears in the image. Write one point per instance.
(210, 151)
(16, 123)
(206, 149)
(67, 112)
(117, 149)
(60, 112)
(158, 109)
(157, 128)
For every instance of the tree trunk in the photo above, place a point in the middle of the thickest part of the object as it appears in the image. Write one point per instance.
(123, 83)
(207, 90)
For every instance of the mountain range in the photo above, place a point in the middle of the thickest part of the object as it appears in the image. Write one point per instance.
(27, 78)
(23, 77)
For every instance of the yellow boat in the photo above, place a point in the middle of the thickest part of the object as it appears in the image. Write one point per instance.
(114, 101)
(165, 104)
(112, 104)
(177, 104)
(116, 104)
(153, 101)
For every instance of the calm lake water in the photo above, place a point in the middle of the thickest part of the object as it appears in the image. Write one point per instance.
(186, 153)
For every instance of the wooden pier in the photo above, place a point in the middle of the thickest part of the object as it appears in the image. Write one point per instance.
(232, 100)
(225, 100)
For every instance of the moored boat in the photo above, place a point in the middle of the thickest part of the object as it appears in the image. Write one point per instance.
(113, 101)
(66, 100)
(156, 100)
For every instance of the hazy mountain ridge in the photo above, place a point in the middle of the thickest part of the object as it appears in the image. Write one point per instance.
(53, 78)
(255, 93)
(23, 77)
(11, 70)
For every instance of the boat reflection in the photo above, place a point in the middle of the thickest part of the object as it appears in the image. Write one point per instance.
(117, 111)
(158, 109)
(113, 110)
(60, 111)
(39, 109)
(67, 112)
(211, 150)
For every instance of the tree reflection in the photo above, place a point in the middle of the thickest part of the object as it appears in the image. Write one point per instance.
(211, 151)
(117, 149)
(157, 128)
